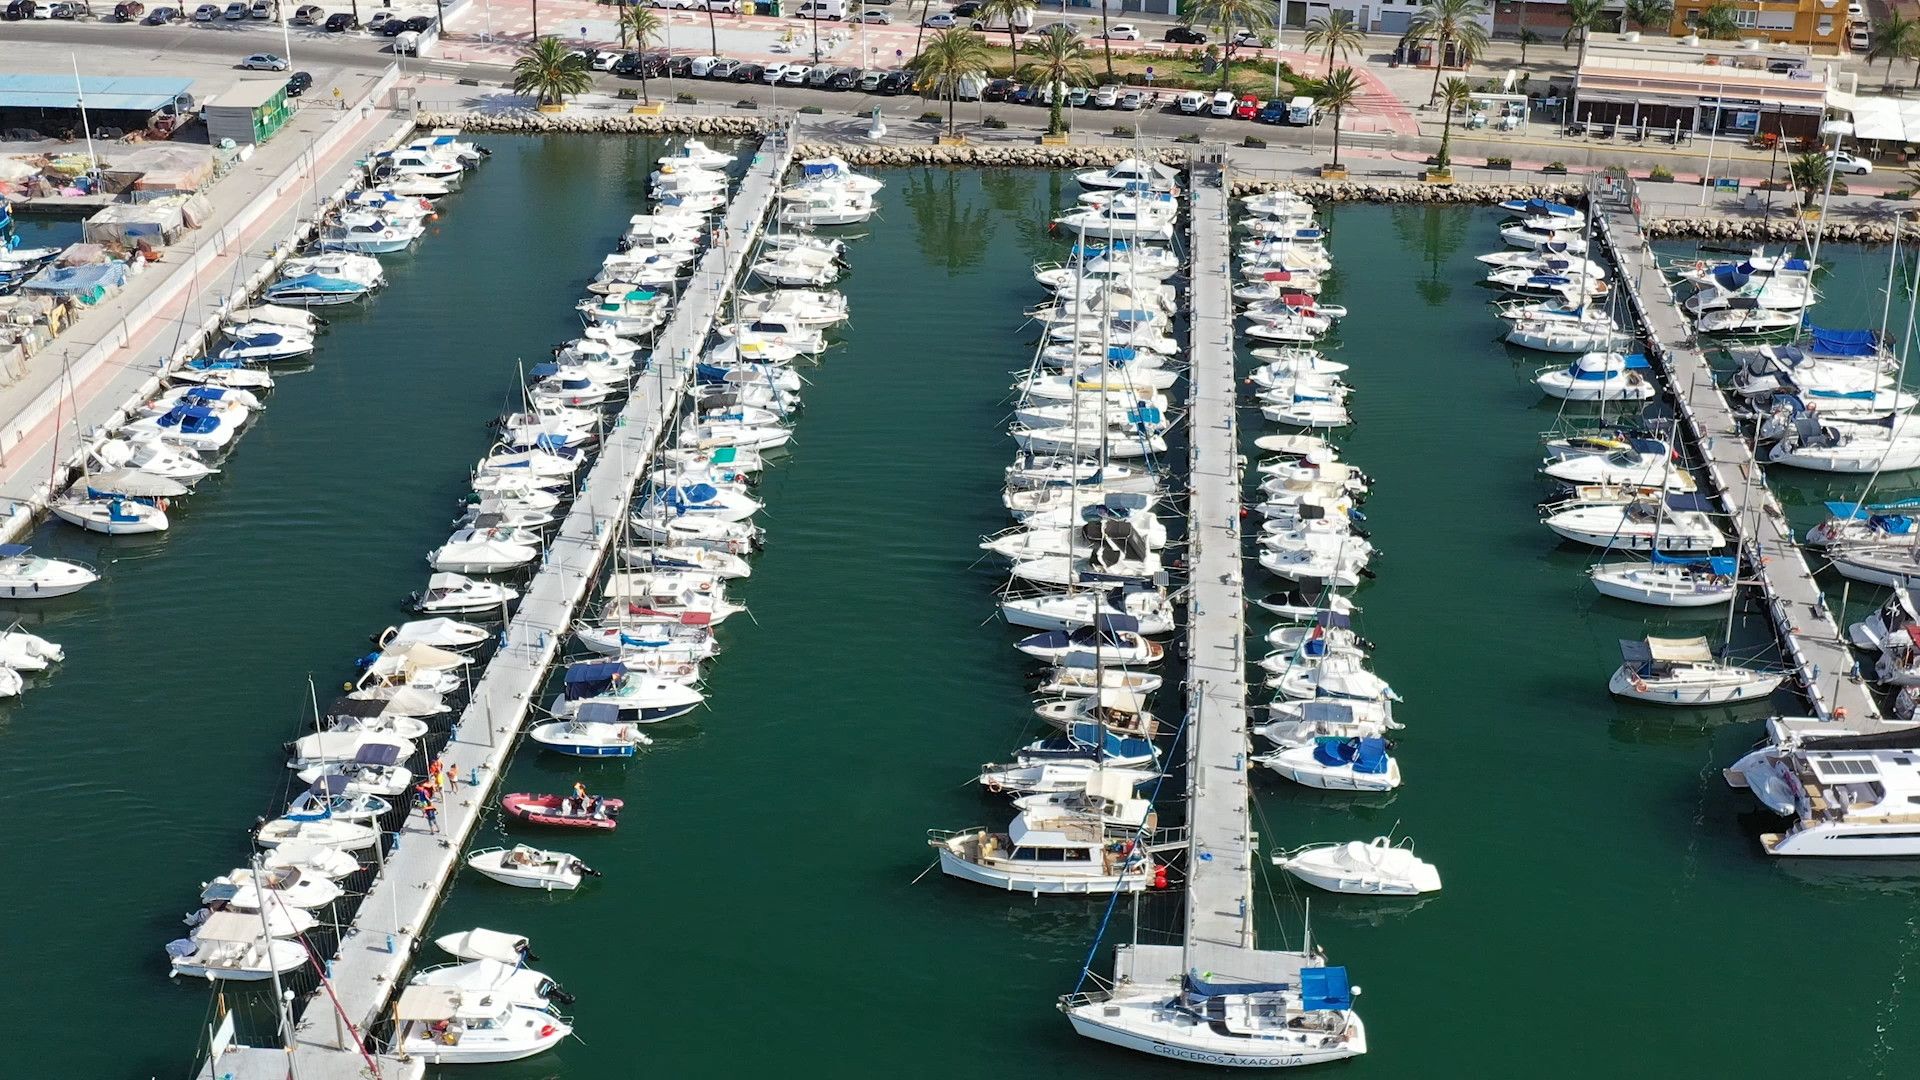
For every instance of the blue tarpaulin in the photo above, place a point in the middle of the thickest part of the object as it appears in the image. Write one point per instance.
(77, 280)
(1325, 989)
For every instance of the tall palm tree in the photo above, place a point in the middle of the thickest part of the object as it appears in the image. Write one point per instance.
(1583, 18)
(646, 26)
(1339, 90)
(1649, 14)
(926, 8)
(1010, 10)
(1058, 60)
(1106, 42)
(1719, 22)
(550, 72)
(950, 57)
(1526, 37)
(536, 20)
(1334, 34)
(713, 33)
(1230, 15)
(1454, 94)
(1451, 22)
(1893, 39)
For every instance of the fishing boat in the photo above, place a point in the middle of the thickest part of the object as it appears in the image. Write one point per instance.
(526, 867)
(1380, 867)
(1362, 764)
(513, 981)
(1683, 672)
(371, 234)
(26, 576)
(443, 1025)
(1047, 851)
(563, 811)
(595, 730)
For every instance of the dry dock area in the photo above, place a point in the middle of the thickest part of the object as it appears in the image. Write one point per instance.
(377, 948)
(1812, 641)
(1221, 851)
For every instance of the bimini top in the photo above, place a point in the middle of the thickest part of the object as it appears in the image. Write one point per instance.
(597, 712)
(1693, 650)
(1723, 565)
(586, 680)
(191, 419)
(1365, 755)
(1539, 206)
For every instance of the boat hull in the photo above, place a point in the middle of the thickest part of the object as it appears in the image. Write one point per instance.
(1093, 885)
(1203, 1048)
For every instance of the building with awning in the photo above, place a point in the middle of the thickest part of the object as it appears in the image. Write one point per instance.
(1739, 90)
(1890, 122)
(52, 102)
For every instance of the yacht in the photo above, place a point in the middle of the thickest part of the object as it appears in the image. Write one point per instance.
(443, 1025)
(1115, 642)
(1675, 523)
(640, 699)
(1123, 218)
(1356, 764)
(1048, 850)
(1599, 376)
(315, 290)
(1641, 462)
(1683, 672)
(1847, 795)
(1132, 171)
(26, 576)
(454, 594)
(1379, 867)
(1669, 581)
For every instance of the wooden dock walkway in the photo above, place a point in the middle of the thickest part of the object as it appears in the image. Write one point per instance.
(377, 948)
(1220, 848)
(1811, 639)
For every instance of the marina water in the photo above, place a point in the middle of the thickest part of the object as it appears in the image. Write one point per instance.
(1607, 907)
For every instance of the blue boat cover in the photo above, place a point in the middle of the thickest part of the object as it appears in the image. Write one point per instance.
(316, 283)
(1114, 745)
(541, 371)
(1724, 565)
(1371, 756)
(587, 680)
(72, 280)
(204, 393)
(1113, 622)
(1729, 277)
(1647, 446)
(1798, 264)
(1693, 501)
(13, 551)
(1120, 354)
(191, 419)
(1844, 342)
(1325, 989)
(690, 495)
(601, 712)
(377, 754)
(1201, 986)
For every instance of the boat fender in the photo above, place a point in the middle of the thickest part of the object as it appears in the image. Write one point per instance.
(1160, 875)
(546, 1030)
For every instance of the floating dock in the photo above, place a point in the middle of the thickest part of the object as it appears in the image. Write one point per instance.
(378, 946)
(1811, 639)
(1220, 855)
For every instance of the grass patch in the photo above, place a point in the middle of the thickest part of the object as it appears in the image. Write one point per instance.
(1181, 72)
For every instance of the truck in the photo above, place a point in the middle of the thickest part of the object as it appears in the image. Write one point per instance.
(1302, 110)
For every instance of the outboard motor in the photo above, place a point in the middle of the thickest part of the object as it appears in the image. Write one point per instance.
(556, 993)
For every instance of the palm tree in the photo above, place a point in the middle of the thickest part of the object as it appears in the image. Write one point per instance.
(1719, 22)
(646, 26)
(1809, 172)
(921, 31)
(1526, 37)
(713, 33)
(1336, 92)
(1454, 94)
(1106, 42)
(1451, 22)
(1011, 10)
(550, 72)
(1649, 14)
(1060, 59)
(1583, 18)
(1230, 15)
(1894, 39)
(950, 57)
(1335, 33)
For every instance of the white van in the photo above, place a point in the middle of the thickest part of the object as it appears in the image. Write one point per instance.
(406, 43)
(1302, 110)
(703, 66)
(822, 9)
(1222, 103)
(1192, 102)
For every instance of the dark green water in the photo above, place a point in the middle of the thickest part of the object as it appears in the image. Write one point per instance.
(1607, 909)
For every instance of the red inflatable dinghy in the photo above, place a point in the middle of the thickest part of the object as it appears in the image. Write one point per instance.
(567, 811)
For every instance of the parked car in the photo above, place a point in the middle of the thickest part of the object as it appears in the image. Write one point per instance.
(206, 13)
(729, 7)
(722, 69)
(879, 18)
(1193, 102)
(393, 28)
(626, 66)
(1246, 39)
(773, 73)
(843, 78)
(161, 16)
(871, 80)
(678, 67)
(420, 24)
(17, 10)
(264, 61)
(998, 89)
(1184, 35)
(941, 20)
(830, 10)
(1246, 108)
(299, 83)
(1132, 101)
(309, 15)
(238, 10)
(1273, 112)
(379, 20)
(1221, 104)
(796, 74)
(263, 9)
(1105, 97)
(1042, 31)
(896, 83)
(1077, 96)
(1121, 32)
(966, 10)
(70, 11)
(817, 77)
(748, 73)
(1023, 95)
(130, 11)
(1847, 165)
(340, 22)
(604, 61)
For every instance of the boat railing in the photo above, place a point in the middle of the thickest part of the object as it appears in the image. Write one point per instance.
(1167, 839)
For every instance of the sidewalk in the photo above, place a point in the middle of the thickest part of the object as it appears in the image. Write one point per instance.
(53, 405)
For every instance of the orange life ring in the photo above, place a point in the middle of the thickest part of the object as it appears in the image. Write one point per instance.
(993, 785)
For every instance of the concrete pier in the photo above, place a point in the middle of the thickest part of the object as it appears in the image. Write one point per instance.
(1221, 851)
(378, 947)
(1812, 641)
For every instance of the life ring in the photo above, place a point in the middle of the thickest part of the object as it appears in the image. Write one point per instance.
(706, 586)
(993, 785)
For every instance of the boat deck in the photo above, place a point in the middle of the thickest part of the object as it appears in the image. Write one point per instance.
(1813, 642)
(378, 946)
(1220, 855)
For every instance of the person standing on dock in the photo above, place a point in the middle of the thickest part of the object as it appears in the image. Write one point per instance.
(433, 774)
(433, 816)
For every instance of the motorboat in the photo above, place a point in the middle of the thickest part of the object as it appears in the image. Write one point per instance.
(826, 206)
(414, 185)
(1541, 213)
(486, 550)
(441, 633)
(1116, 641)
(1379, 867)
(229, 374)
(1303, 1018)
(1675, 523)
(563, 811)
(1337, 764)
(640, 698)
(1519, 234)
(112, 515)
(595, 730)
(483, 944)
(328, 798)
(371, 234)
(230, 402)
(1683, 672)
(798, 267)
(688, 598)
(1080, 741)
(1304, 603)
(374, 770)
(1079, 676)
(514, 981)
(279, 885)
(389, 203)
(697, 154)
(343, 265)
(1124, 218)
(1703, 271)
(199, 428)
(1669, 581)
(26, 576)
(1742, 317)
(445, 144)
(315, 290)
(442, 1025)
(317, 832)
(817, 308)
(1847, 795)
(454, 594)
(1324, 674)
(233, 947)
(23, 651)
(1295, 405)
(1132, 171)
(632, 313)
(702, 500)
(1046, 851)
(1065, 611)
(330, 863)
(1641, 462)
(1300, 723)
(1599, 376)
(1789, 288)
(720, 564)
(526, 867)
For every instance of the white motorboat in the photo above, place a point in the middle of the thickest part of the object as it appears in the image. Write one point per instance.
(443, 1025)
(277, 885)
(1599, 376)
(26, 576)
(798, 267)
(328, 798)
(1304, 604)
(485, 551)
(315, 290)
(1319, 673)
(826, 206)
(1302, 408)
(1300, 723)
(151, 457)
(21, 651)
(702, 500)
(324, 748)
(817, 308)
(441, 633)
(372, 234)
(1046, 851)
(1116, 643)
(697, 154)
(1641, 463)
(454, 594)
(639, 698)
(111, 515)
(231, 946)
(515, 982)
(1081, 677)
(1364, 764)
(416, 185)
(1677, 523)
(1065, 611)
(226, 374)
(330, 863)
(1125, 217)
(389, 203)
(375, 771)
(596, 730)
(345, 265)
(684, 597)
(1129, 172)
(1683, 672)
(204, 429)
(1668, 581)
(1747, 320)
(526, 867)
(323, 832)
(1376, 868)
(483, 944)
(1783, 289)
